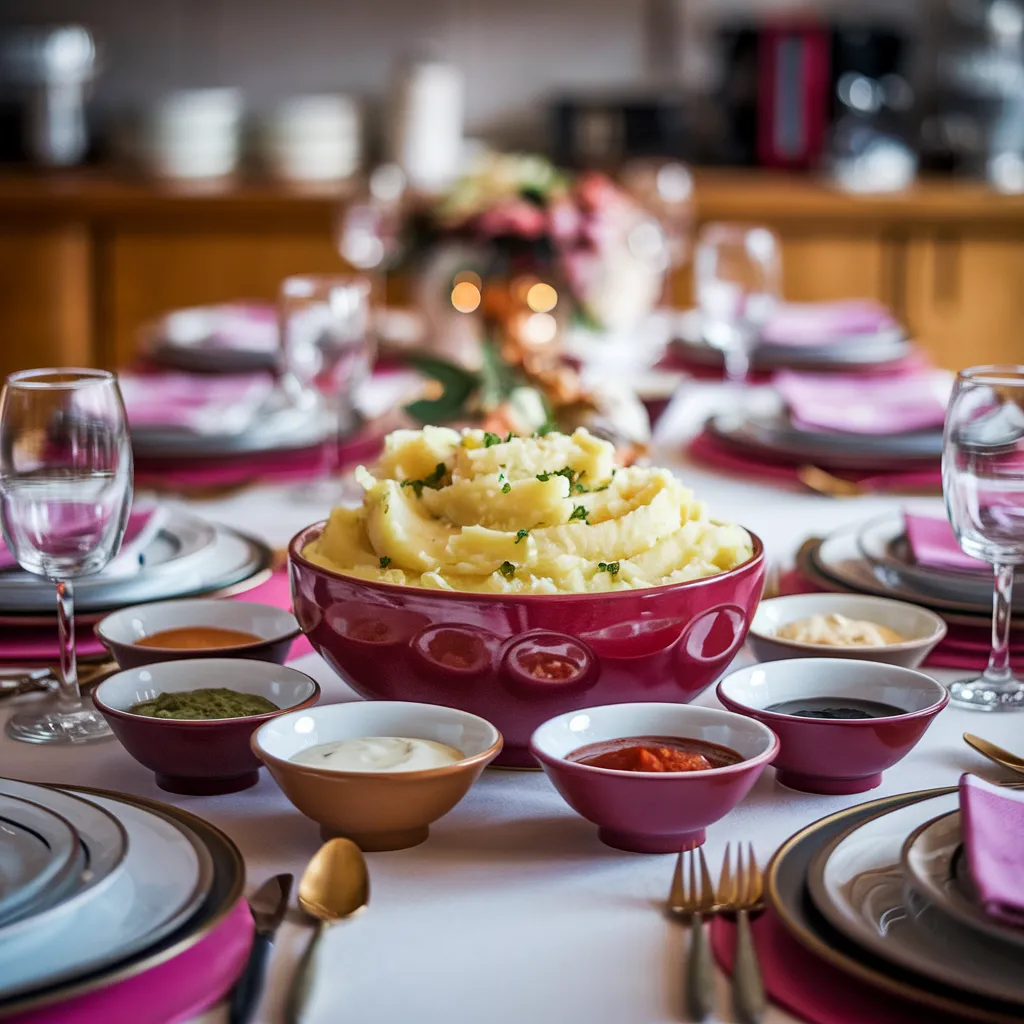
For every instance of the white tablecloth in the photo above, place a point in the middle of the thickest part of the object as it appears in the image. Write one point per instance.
(512, 911)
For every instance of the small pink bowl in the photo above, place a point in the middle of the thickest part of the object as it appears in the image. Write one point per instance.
(836, 756)
(196, 756)
(646, 812)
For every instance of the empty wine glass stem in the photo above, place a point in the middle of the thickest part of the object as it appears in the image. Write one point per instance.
(69, 692)
(998, 670)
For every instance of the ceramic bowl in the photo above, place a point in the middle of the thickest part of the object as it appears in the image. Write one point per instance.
(377, 810)
(199, 757)
(922, 628)
(836, 756)
(518, 660)
(121, 631)
(648, 812)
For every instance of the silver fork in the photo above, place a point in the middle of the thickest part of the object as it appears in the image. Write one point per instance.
(691, 899)
(743, 892)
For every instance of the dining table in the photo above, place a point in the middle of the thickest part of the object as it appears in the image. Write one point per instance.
(513, 911)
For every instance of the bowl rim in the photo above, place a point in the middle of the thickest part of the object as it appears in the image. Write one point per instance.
(106, 709)
(748, 710)
(485, 756)
(939, 626)
(306, 535)
(765, 757)
(109, 641)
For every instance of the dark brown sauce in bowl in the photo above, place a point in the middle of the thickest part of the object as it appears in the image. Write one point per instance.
(195, 638)
(655, 754)
(836, 709)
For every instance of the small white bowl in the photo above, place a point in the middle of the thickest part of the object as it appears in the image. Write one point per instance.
(121, 631)
(922, 628)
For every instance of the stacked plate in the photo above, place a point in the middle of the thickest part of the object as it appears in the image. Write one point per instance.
(884, 347)
(881, 892)
(97, 888)
(178, 555)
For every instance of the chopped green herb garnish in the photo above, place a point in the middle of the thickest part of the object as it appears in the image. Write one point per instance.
(609, 567)
(579, 488)
(579, 512)
(505, 488)
(384, 561)
(434, 481)
(490, 440)
(510, 436)
(522, 535)
(507, 569)
(547, 428)
(543, 477)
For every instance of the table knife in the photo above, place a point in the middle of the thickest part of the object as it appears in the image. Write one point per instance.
(268, 906)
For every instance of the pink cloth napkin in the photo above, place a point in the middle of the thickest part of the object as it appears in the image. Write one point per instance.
(806, 324)
(934, 544)
(136, 536)
(242, 326)
(178, 989)
(860, 404)
(190, 401)
(993, 830)
(813, 990)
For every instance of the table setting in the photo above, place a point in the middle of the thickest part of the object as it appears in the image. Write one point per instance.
(473, 687)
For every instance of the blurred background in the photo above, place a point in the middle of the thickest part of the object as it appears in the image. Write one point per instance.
(175, 154)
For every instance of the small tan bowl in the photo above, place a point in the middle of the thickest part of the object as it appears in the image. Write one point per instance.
(377, 810)
(923, 629)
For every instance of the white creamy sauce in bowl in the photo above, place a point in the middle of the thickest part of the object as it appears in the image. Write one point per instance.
(379, 754)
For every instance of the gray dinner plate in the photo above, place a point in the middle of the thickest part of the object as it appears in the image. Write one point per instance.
(40, 857)
(883, 542)
(229, 559)
(786, 891)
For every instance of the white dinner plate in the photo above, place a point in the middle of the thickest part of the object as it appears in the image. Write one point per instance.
(167, 874)
(935, 865)
(230, 558)
(40, 856)
(857, 884)
(101, 836)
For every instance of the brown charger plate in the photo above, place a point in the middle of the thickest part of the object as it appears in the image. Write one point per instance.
(786, 892)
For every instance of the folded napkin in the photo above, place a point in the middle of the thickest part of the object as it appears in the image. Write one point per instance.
(236, 326)
(992, 819)
(861, 404)
(194, 402)
(933, 544)
(143, 524)
(810, 324)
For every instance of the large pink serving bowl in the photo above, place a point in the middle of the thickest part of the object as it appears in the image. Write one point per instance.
(518, 660)
(652, 812)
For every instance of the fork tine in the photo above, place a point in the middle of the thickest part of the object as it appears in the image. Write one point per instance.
(727, 882)
(677, 895)
(756, 879)
(707, 888)
(742, 877)
(692, 897)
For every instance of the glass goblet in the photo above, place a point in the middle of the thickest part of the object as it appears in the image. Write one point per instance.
(983, 484)
(65, 495)
(737, 280)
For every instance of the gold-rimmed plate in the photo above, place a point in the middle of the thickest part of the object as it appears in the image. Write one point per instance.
(786, 892)
(225, 890)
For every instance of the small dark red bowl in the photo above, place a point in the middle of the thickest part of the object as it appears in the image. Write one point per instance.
(194, 756)
(121, 631)
(836, 756)
(647, 812)
(518, 660)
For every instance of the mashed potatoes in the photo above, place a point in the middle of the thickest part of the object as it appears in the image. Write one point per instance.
(543, 515)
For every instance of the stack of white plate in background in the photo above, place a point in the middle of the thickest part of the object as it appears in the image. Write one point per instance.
(96, 887)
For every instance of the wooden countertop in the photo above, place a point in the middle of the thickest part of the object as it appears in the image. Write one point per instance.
(721, 194)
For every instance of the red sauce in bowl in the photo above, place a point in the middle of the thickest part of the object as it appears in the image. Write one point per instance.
(655, 754)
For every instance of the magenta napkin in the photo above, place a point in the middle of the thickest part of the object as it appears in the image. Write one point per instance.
(992, 819)
(861, 404)
(189, 401)
(933, 544)
(805, 324)
(142, 523)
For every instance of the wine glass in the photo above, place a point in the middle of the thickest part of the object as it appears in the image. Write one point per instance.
(737, 271)
(65, 495)
(328, 352)
(983, 484)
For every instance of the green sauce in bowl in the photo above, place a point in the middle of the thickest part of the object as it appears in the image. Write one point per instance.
(216, 702)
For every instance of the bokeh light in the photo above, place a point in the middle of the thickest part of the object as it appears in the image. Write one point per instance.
(542, 298)
(466, 296)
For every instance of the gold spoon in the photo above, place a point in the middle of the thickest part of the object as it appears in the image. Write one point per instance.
(994, 753)
(334, 886)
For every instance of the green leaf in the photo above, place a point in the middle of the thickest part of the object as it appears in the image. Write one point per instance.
(459, 385)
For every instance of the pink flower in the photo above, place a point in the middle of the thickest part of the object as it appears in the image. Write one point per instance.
(513, 217)
(565, 222)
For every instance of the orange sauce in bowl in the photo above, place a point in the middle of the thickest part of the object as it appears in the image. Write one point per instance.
(655, 754)
(197, 638)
